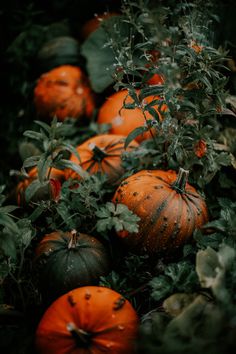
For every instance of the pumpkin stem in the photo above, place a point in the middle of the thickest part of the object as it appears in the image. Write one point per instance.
(83, 339)
(98, 154)
(73, 240)
(180, 183)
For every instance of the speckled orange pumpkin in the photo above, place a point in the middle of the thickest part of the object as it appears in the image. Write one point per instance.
(102, 154)
(170, 210)
(88, 320)
(64, 92)
(123, 120)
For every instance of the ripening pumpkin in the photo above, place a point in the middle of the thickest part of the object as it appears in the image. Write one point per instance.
(124, 120)
(50, 191)
(170, 210)
(102, 154)
(88, 320)
(67, 260)
(93, 24)
(63, 50)
(64, 92)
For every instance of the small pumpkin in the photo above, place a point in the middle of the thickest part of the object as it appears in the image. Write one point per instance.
(51, 189)
(64, 92)
(102, 154)
(123, 121)
(89, 319)
(67, 260)
(58, 51)
(169, 207)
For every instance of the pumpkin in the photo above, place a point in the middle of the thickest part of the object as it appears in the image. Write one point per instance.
(123, 121)
(89, 319)
(102, 154)
(67, 260)
(170, 210)
(94, 23)
(51, 189)
(58, 51)
(64, 92)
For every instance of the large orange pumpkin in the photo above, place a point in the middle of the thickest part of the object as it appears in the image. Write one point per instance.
(169, 207)
(88, 320)
(53, 190)
(124, 120)
(102, 154)
(64, 92)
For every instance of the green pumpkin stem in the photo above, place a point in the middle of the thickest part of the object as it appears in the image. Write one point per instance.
(73, 240)
(181, 181)
(83, 339)
(98, 154)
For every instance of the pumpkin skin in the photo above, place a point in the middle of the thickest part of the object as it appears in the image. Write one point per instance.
(67, 260)
(58, 51)
(94, 23)
(52, 191)
(88, 320)
(64, 92)
(123, 121)
(102, 154)
(170, 210)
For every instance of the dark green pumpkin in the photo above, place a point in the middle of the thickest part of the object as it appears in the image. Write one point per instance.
(58, 51)
(68, 260)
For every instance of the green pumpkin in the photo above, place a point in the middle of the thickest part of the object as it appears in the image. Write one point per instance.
(58, 51)
(68, 260)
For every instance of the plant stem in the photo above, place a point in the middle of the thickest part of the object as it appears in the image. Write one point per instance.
(181, 181)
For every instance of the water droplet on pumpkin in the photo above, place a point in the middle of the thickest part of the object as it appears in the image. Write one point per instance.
(113, 315)
(121, 327)
(80, 90)
(110, 345)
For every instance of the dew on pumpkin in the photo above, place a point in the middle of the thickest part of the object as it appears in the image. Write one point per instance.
(110, 345)
(121, 327)
(79, 90)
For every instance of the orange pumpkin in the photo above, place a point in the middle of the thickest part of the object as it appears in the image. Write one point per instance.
(102, 154)
(123, 121)
(170, 210)
(93, 24)
(53, 190)
(64, 92)
(88, 320)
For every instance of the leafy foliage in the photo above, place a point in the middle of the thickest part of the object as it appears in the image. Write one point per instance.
(186, 304)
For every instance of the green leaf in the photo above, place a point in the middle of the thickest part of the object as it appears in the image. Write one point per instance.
(8, 245)
(32, 189)
(75, 167)
(100, 60)
(33, 135)
(134, 134)
(31, 161)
